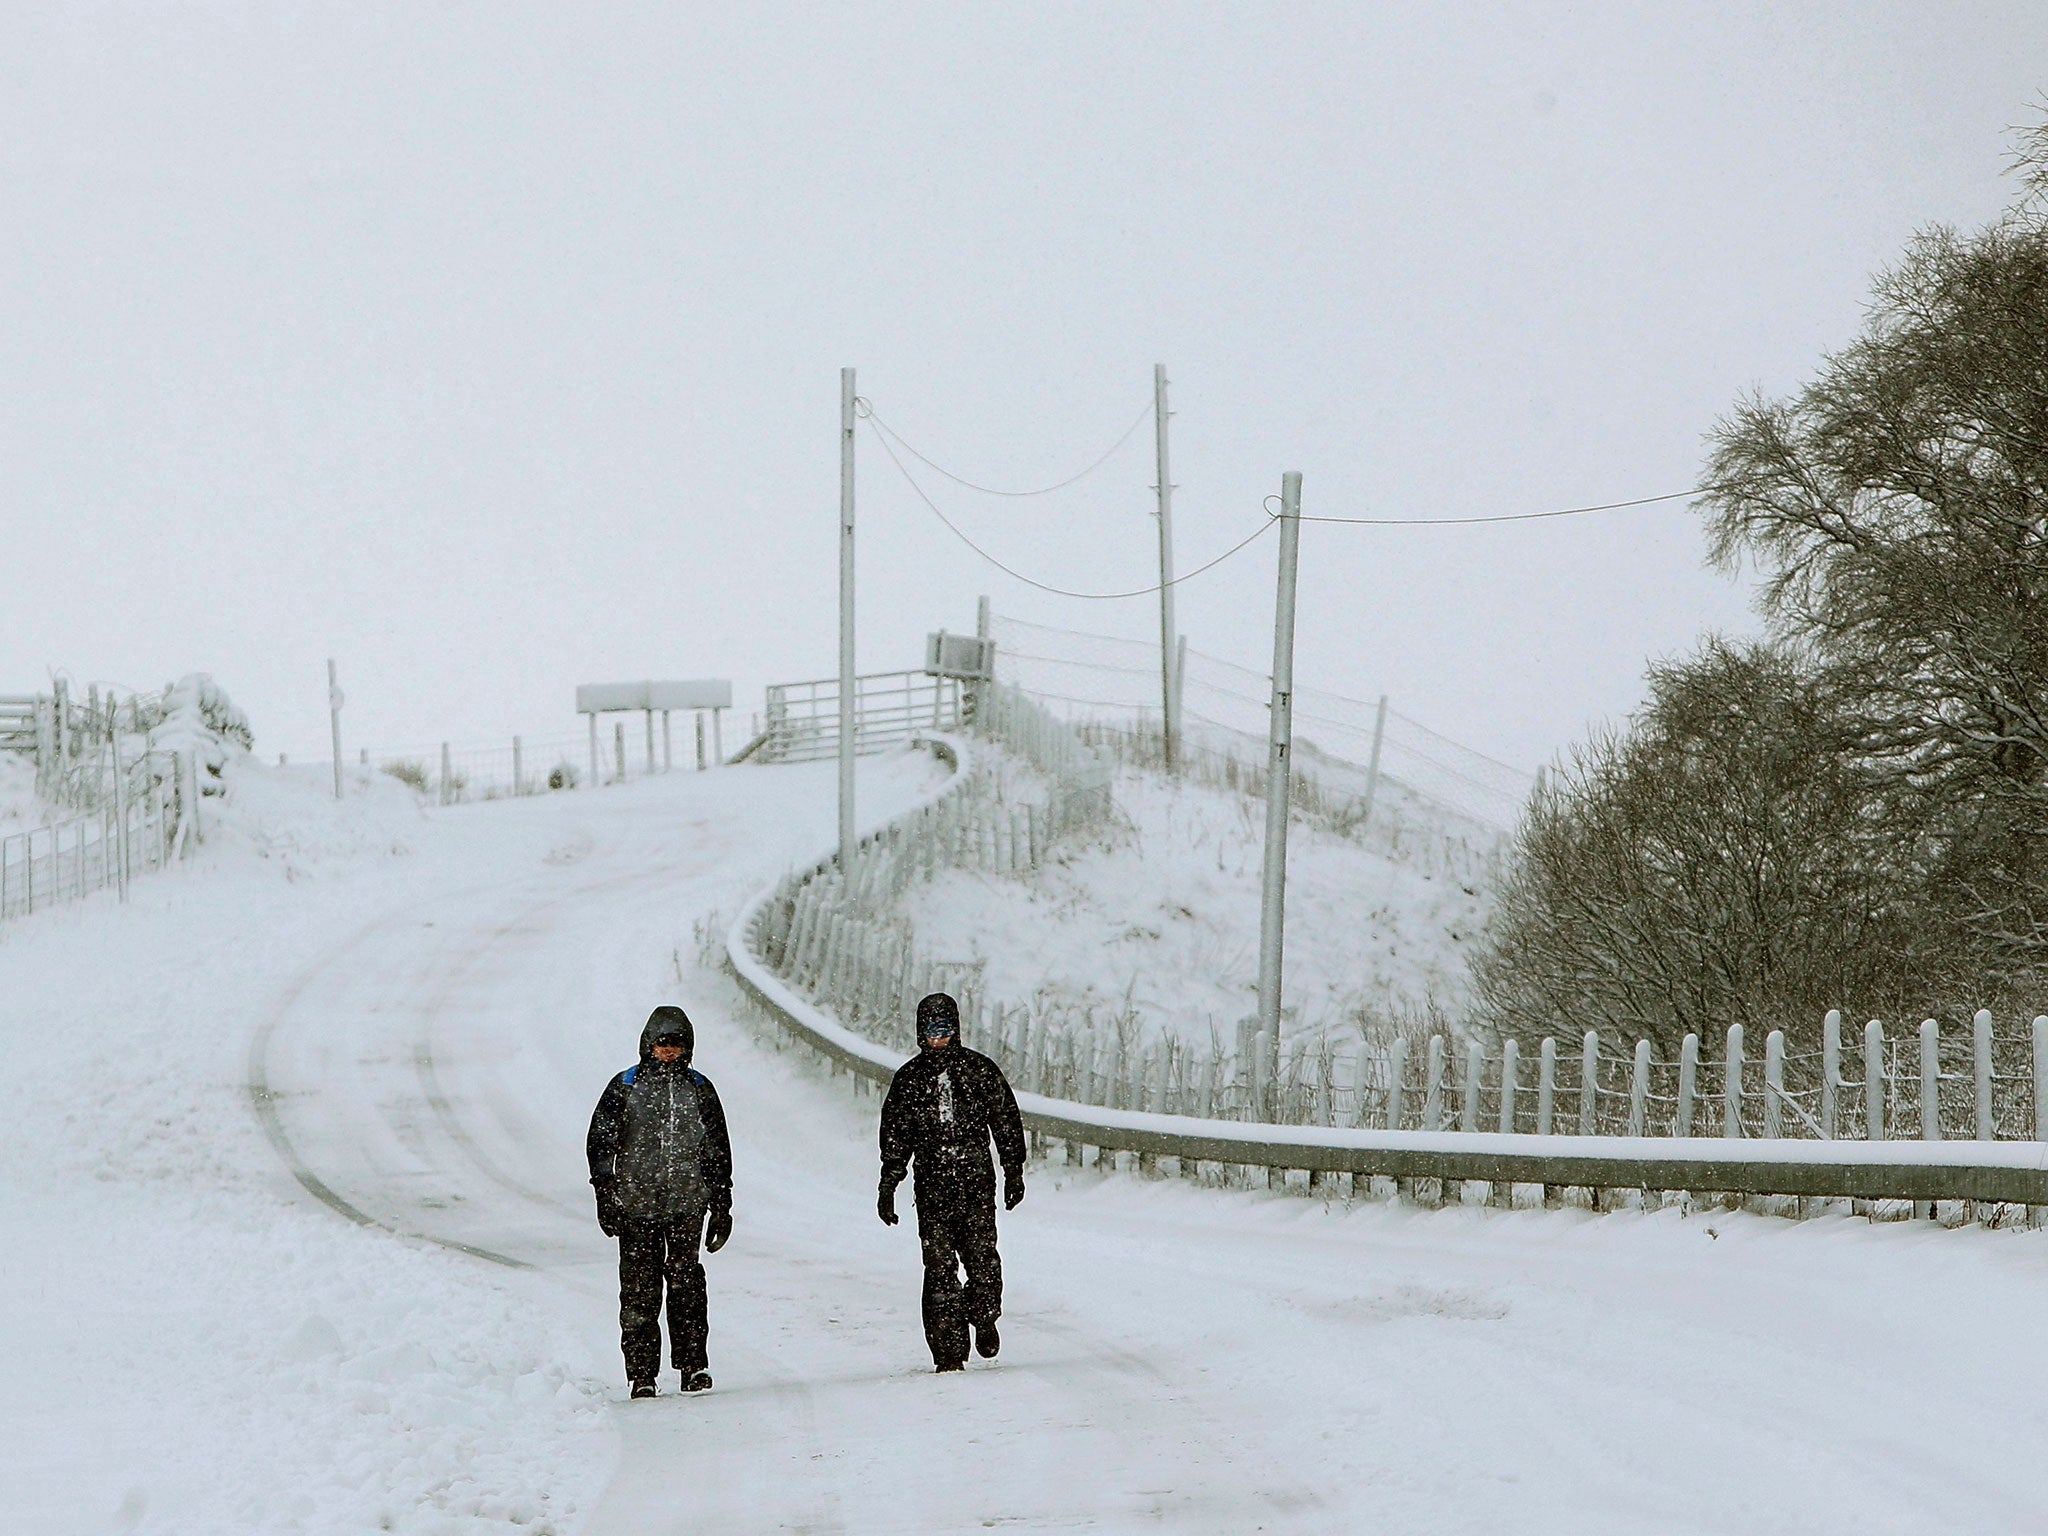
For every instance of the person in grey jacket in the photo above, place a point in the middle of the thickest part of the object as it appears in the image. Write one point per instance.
(661, 1163)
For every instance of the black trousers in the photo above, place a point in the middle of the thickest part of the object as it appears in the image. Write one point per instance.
(956, 1226)
(654, 1258)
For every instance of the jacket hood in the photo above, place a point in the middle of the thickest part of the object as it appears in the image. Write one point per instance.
(668, 1020)
(936, 1014)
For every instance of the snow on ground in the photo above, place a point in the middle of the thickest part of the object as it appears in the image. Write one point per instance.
(1163, 914)
(194, 1343)
(190, 1343)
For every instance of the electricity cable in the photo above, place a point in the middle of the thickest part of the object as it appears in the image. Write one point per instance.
(1499, 517)
(1029, 581)
(866, 408)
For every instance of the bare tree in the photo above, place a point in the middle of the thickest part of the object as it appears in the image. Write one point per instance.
(1718, 863)
(1898, 506)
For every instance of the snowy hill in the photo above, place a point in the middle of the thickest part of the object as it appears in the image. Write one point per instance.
(1161, 917)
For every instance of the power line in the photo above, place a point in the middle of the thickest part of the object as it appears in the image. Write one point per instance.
(1029, 581)
(867, 408)
(1503, 517)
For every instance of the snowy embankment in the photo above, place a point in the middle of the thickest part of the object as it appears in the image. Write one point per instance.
(1160, 917)
(187, 1345)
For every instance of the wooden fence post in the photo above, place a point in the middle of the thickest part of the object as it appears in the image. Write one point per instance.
(2034, 1213)
(1589, 1083)
(1987, 1127)
(1873, 1080)
(1830, 1069)
(1774, 1084)
(1546, 1084)
(1475, 1071)
(1731, 1084)
(1639, 1089)
(1510, 1069)
(1397, 1072)
(1930, 1097)
(1688, 1083)
(1433, 1087)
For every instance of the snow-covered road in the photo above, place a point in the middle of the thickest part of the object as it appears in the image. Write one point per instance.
(1175, 1358)
(420, 1041)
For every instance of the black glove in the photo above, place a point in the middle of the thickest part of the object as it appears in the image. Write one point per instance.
(885, 1206)
(607, 1207)
(1013, 1188)
(718, 1229)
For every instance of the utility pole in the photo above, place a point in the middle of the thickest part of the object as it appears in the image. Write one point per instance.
(1169, 700)
(1279, 782)
(334, 702)
(846, 682)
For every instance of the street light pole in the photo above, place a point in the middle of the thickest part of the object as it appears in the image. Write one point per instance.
(1279, 776)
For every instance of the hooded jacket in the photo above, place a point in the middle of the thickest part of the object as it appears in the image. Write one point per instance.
(658, 1134)
(942, 1109)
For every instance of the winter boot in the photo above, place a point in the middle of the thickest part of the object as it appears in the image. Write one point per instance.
(949, 1365)
(986, 1340)
(644, 1389)
(697, 1381)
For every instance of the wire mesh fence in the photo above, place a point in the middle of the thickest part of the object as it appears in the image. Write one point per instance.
(1342, 740)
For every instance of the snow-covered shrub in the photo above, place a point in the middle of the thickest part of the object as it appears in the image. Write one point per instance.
(409, 770)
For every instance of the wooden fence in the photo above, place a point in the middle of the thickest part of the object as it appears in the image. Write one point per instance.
(827, 956)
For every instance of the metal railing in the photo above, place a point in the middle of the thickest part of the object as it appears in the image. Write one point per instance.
(820, 955)
(69, 860)
(801, 721)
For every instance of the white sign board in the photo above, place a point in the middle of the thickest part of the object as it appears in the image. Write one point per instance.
(963, 656)
(693, 693)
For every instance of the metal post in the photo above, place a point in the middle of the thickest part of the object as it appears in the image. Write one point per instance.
(650, 742)
(668, 743)
(334, 722)
(1372, 767)
(1169, 704)
(619, 751)
(700, 741)
(846, 684)
(1279, 771)
(594, 781)
(718, 738)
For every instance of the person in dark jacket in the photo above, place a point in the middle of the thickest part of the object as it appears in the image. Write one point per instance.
(661, 1163)
(943, 1107)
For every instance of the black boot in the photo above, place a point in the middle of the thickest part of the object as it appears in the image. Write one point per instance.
(643, 1389)
(986, 1340)
(698, 1380)
(950, 1365)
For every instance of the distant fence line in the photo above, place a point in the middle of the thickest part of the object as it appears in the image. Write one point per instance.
(822, 953)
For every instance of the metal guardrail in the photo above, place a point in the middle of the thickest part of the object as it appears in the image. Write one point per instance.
(1990, 1172)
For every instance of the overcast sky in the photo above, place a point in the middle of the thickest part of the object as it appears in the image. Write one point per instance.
(493, 348)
